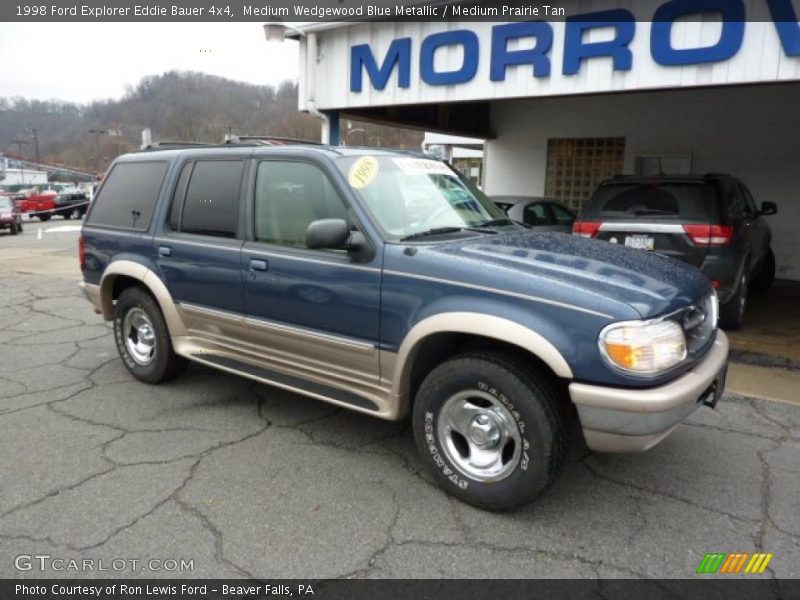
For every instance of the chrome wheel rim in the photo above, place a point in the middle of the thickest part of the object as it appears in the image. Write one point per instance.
(479, 436)
(139, 336)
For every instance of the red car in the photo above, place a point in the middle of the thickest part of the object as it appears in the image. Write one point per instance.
(10, 216)
(40, 205)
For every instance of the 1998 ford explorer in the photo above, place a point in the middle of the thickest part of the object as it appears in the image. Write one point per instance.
(385, 283)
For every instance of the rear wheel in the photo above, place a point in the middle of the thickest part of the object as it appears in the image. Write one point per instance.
(766, 273)
(14, 228)
(44, 217)
(142, 338)
(490, 432)
(731, 314)
(75, 214)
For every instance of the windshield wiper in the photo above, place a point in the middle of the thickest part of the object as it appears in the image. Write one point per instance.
(441, 230)
(498, 222)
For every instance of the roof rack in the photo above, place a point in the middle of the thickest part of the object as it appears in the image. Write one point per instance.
(171, 144)
(265, 140)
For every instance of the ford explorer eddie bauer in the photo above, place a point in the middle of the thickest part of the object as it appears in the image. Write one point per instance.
(386, 283)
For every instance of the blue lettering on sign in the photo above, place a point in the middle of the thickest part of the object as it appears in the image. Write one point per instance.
(537, 57)
(732, 12)
(576, 49)
(361, 58)
(786, 23)
(466, 39)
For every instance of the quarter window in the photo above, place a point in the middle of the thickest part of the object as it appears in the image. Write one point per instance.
(129, 195)
(289, 196)
(211, 206)
(536, 214)
(562, 215)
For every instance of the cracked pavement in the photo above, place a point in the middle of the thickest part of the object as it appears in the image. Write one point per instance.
(248, 480)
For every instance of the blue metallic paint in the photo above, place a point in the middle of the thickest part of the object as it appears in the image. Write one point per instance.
(564, 288)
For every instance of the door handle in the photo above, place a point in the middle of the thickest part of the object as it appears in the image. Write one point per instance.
(164, 251)
(258, 265)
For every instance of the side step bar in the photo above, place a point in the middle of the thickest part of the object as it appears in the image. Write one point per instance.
(291, 382)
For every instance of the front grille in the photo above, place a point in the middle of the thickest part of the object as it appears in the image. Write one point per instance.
(699, 322)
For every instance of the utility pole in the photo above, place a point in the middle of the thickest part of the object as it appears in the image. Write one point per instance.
(36, 147)
(19, 144)
(97, 133)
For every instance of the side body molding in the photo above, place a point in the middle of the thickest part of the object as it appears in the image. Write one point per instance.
(469, 323)
(151, 281)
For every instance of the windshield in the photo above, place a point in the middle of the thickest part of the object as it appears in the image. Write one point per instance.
(408, 195)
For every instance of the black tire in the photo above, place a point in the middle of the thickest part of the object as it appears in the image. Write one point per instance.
(731, 314)
(44, 217)
(75, 214)
(13, 228)
(19, 226)
(766, 274)
(163, 364)
(531, 409)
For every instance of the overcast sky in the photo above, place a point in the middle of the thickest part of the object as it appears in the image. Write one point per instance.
(80, 62)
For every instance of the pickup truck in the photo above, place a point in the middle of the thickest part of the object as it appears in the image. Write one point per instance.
(38, 205)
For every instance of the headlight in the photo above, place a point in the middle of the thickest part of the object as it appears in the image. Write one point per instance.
(6, 215)
(643, 347)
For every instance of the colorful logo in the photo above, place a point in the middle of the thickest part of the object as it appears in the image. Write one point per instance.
(734, 563)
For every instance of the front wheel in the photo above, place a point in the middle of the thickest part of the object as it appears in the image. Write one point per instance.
(75, 214)
(490, 432)
(14, 228)
(44, 217)
(766, 273)
(142, 338)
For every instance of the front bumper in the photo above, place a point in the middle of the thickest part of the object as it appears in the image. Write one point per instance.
(631, 420)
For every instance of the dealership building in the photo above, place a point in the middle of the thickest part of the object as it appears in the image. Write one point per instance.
(666, 87)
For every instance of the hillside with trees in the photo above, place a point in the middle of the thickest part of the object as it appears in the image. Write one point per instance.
(175, 106)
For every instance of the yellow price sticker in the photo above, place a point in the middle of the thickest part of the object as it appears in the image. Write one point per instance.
(363, 172)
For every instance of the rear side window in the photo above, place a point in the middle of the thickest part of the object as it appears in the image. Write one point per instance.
(211, 206)
(682, 200)
(536, 214)
(128, 196)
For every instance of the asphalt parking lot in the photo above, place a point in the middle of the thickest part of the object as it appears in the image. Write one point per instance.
(250, 481)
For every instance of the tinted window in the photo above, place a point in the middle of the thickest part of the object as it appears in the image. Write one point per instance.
(289, 196)
(684, 200)
(749, 204)
(211, 206)
(129, 195)
(536, 214)
(562, 215)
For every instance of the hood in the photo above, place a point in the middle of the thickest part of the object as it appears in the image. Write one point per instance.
(586, 270)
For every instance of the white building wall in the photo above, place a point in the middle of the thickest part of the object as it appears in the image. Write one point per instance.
(761, 58)
(24, 177)
(751, 132)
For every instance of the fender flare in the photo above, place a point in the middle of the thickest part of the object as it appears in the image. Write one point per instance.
(151, 281)
(480, 324)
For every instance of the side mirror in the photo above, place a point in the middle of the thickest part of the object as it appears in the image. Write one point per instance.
(768, 208)
(333, 234)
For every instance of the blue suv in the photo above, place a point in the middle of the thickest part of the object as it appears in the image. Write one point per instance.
(384, 282)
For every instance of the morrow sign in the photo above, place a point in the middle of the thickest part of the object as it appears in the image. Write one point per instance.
(577, 49)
